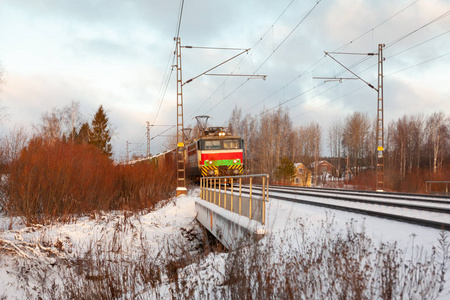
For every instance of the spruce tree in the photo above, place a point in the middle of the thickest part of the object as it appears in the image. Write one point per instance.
(99, 135)
(286, 170)
(82, 137)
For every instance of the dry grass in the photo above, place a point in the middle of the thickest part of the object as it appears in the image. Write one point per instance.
(323, 265)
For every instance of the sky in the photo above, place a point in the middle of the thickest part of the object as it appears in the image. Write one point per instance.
(119, 54)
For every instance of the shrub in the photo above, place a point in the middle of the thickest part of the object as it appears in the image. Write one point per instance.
(57, 180)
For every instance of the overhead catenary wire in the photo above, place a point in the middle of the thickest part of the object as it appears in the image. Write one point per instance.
(270, 55)
(440, 17)
(359, 88)
(163, 86)
(169, 69)
(337, 49)
(389, 44)
(253, 48)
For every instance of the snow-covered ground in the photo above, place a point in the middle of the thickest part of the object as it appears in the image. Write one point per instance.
(32, 256)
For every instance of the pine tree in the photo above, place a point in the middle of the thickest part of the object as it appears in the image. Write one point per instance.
(286, 170)
(99, 135)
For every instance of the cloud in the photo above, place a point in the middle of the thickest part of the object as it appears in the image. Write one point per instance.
(116, 53)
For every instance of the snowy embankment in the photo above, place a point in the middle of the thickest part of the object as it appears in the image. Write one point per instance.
(51, 261)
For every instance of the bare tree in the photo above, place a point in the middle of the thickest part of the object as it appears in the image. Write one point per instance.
(335, 142)
(356, 133)
(2, 108)
(51, 127)
(62, 123)
(12, 144)
(72, 120)
(274, 136)
(437, 130)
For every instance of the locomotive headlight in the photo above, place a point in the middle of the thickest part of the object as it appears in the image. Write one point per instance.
(235, 161)
(210, 162)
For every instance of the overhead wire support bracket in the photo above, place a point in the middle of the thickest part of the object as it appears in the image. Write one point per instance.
(379, 177)
(215, 67)
(254, 76)
(328, 79)
(370, 85)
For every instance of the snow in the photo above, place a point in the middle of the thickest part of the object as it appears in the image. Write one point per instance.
(412, 213)
(167, 224)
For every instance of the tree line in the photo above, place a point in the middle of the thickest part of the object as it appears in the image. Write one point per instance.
(417, 148)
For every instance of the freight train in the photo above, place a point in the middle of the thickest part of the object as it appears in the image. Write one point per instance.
(215, 153)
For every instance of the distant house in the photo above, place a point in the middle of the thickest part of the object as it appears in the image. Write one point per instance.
(323, 167)
(302, 175)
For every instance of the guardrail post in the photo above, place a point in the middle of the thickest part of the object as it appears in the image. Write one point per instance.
(232, 196)
(220, 184)
(225, 194)
(214, 193)
(210, 190)
(240, 194)
(250, 201)
(263, 201)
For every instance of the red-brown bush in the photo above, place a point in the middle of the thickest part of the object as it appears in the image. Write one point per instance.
(57, 181)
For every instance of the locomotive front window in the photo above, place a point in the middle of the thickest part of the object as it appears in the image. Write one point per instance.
(231, 144)
(212, 145)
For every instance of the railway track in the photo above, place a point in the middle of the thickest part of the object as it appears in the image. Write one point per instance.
(424, 210)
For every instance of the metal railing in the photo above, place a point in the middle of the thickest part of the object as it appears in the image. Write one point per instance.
(226, 192)
(438, 187)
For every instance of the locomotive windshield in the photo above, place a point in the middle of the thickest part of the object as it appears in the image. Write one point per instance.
(231, 144)
(221, 144)
(212, 145)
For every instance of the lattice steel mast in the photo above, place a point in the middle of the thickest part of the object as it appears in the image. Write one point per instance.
(181, 168)
(379, 176)
(380, 123)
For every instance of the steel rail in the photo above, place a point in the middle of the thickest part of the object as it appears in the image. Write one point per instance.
(386, 215)
(438, 199)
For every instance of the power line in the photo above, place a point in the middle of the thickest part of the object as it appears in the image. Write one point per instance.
(370, 30)
(253, 48)
(393, 43)
(421, 63)
(444, 15)
(180, 15)
(373, 82)
(417, 45)
(339, 48)
(167, 74)
(270, 55)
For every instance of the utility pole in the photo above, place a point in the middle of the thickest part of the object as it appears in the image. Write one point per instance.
(380, 123)
(181, 168)
(148, 139)
(379, 176)
(180, 155)
(128, 154)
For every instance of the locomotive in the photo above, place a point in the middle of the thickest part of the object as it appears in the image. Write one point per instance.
(215, 153)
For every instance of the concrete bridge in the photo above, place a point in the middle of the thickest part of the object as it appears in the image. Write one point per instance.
(230, 209)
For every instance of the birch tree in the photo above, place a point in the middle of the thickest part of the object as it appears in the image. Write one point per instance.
(355, 135)
(437, 129)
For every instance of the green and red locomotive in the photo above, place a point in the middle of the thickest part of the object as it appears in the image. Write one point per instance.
(216, 153)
